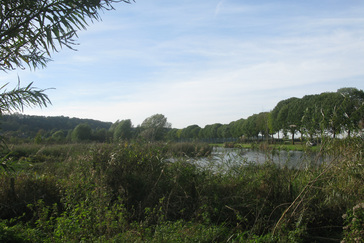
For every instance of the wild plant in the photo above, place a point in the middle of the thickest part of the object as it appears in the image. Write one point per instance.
(130, 192)
(189, 150)
(354, 224)
(17, 190)
(329, 189)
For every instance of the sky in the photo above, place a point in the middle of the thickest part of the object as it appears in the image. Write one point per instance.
(202, 62)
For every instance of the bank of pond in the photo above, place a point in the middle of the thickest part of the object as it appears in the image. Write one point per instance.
(182, 192)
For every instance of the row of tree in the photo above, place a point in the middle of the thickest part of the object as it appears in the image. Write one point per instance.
(333, 113)
(340, 112)
(152, 129)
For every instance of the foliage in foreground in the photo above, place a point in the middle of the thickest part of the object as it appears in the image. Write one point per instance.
(128, 192)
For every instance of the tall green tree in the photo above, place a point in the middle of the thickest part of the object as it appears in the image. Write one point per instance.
(190, 132)
(224, 131)
(172, 134)
(328, 102)
(101, 135)
(82, 132)
(352, 107)
(262, 124)
(59, 136)
(155, 127)
(236, 128)
(123, 130)
(311, 121)
(279, 116)
(210, 131)
(250, 127)
(270, 125)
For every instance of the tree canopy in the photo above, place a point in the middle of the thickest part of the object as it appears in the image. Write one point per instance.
(123, 130)
(82, 132)
(155, 127)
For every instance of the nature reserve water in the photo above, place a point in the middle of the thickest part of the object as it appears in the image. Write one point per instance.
(232, 157)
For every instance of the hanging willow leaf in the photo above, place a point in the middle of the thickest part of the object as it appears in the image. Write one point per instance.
(31, 29)
(20, 97)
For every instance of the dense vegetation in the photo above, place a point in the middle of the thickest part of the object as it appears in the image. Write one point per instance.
(129, 192)
(26, 128)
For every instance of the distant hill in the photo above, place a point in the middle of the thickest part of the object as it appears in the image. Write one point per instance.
(30, 125)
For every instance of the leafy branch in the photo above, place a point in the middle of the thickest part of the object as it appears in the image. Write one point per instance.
(30, 30)
(20, 97)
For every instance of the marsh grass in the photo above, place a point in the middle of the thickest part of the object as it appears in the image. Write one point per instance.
(129, 192)
(189, 150)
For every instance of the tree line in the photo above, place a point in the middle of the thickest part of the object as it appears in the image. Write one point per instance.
(329, 113)
(24, 128)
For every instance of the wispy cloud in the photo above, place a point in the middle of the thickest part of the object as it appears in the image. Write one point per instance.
(205, 62)
(218, 7)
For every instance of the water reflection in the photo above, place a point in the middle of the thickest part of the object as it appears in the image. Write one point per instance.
(233, 157)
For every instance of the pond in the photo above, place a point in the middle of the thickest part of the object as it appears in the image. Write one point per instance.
(228, 157)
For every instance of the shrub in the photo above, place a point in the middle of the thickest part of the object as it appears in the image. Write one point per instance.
(17, 191)
(354, 224)
(190, 150)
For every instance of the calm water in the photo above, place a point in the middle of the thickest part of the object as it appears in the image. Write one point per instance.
(228, 157)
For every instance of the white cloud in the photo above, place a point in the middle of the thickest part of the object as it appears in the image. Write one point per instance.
(181, 60)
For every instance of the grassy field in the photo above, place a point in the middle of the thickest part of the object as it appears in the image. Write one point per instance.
(128, 192)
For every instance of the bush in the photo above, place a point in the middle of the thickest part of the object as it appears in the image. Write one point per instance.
(354, 224)
(191, 150)
(17, 191)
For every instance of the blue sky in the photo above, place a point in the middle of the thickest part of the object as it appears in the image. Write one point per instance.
(203, 62)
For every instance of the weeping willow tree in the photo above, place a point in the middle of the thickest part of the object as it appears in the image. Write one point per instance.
(30, 30)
